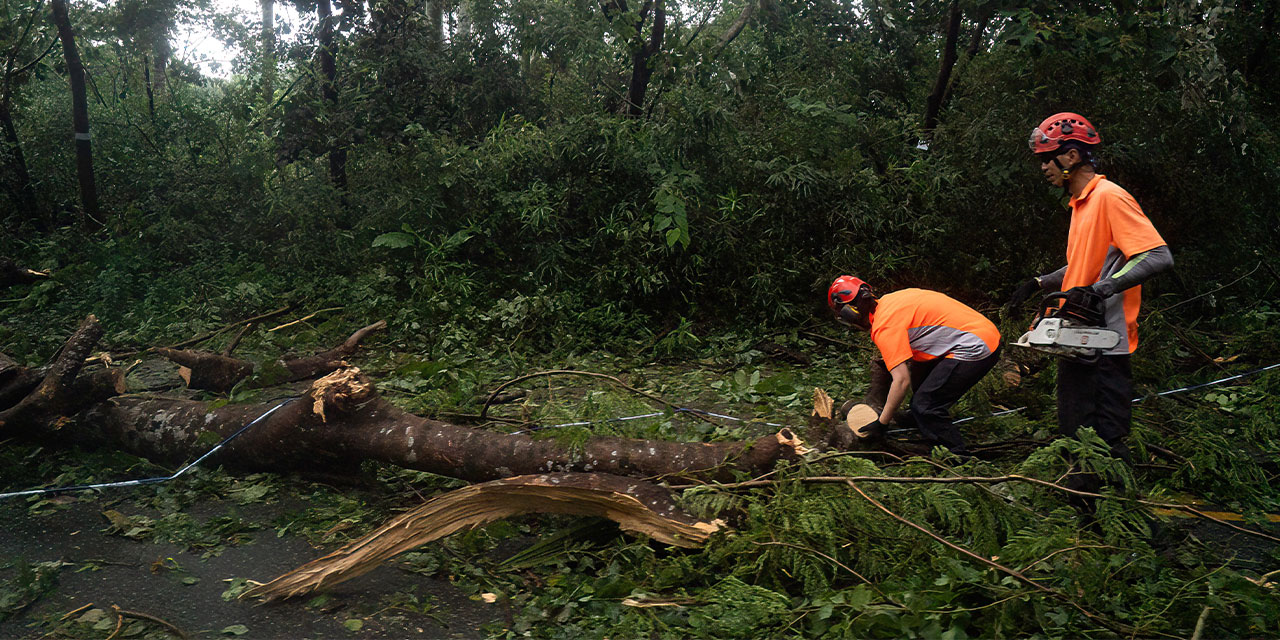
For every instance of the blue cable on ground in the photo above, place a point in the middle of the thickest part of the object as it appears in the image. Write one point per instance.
(146, 481)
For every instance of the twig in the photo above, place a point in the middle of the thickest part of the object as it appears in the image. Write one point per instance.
(235, 342)
(205, 336)
(75, 611)
(1204, 615)
(484, 411)
(819, 336)
(146, 616)
(119, 623)
(303, 319)
(1114, 626)
(1207, 293)
(1075, 548)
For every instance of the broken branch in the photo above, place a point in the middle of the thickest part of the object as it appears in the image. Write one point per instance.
(638, 507)
(1114, 626)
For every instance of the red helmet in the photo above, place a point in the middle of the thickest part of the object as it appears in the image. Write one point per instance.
(842, 298)
(1059, 128)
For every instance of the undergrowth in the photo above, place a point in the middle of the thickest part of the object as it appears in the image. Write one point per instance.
(798, 559)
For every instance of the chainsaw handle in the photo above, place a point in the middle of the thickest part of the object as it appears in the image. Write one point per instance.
(1043, 309)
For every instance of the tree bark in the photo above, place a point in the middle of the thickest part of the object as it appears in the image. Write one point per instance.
(20, 189)
(220, 372)
(642, 58)
(151, 94)
(933, 104)
(341, 421)
(435, 22)
(79, 110)
(55, 395)
(268, 51)
(329, 91)
(338, 423)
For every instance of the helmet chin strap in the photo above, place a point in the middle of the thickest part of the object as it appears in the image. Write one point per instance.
(1067, 171)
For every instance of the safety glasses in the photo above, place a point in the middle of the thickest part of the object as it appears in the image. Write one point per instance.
(1038, 137)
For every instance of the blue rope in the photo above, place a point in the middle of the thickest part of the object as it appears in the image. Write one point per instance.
(146, 481)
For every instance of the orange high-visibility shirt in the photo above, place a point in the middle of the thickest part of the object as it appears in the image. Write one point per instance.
(1107, 228)
(918, 324)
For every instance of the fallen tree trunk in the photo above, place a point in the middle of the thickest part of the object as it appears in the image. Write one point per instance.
(220, 372)
(341, 421)
(638, 507)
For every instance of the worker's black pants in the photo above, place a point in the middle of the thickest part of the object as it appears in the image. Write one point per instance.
(936, 386)
(1097, 394)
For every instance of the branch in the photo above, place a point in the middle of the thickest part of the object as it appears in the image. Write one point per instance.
(1114, 626)
(988, 480)
(736, 28)
(50, 396)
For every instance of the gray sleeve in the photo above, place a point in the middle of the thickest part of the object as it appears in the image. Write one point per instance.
(1137, 270)
(1052, 281)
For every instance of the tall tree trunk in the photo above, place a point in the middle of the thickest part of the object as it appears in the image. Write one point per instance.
(934, 103)
(329, 90)
(642, 59)
(79, 109)
(160, 54)
(151, 95)
(975, 45)
(23, 194)
(268, 51)
(435, 22)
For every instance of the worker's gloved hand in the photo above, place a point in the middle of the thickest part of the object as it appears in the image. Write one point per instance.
(1105, 288)
(872, 432)
(1023, 293)
(1079, 295)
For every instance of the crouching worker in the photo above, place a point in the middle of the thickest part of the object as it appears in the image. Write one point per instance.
(929, 342)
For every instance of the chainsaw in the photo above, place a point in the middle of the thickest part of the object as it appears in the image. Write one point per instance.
(1075, 329)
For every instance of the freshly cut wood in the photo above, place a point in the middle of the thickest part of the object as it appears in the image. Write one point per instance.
(207, 370)
(859, 416)
(638, 507)
(220, 372)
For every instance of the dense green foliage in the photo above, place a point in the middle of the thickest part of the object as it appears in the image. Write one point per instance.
(503, 211)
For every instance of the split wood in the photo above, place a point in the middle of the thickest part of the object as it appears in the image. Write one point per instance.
(1110, 624)
(485, 409)
(980, 480)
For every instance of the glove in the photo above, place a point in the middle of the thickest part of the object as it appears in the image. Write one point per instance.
(1023, 293)
(873, 431)
(1105, 288)
(1078, 295)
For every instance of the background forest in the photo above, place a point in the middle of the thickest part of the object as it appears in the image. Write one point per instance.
(678, 182)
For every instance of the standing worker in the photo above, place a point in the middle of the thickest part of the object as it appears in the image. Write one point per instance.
(1111, 249)
(929, 342)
